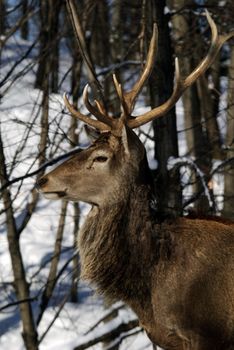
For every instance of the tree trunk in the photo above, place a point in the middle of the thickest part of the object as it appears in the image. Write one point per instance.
(75, 261)
(55, 7)
(2, 17)
(200, 125)
(229, 173)
(44, 38)
(24, 27)
(161, 86)
(49, 44)
(215, 92)
(20, 283)
(52, 276)
(74, 137)
(115, 44)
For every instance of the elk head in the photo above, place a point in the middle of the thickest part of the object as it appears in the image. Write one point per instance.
(96, 175)
(105, 171)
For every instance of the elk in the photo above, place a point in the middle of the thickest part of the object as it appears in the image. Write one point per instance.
(177, 275)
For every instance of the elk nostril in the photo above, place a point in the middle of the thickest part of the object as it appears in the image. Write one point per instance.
(41, 182)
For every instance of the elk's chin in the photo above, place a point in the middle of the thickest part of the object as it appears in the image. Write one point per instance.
(54, 195)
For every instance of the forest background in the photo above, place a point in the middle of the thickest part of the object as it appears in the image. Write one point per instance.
(191, 150)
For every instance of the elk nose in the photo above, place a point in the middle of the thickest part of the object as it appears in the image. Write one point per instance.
(41, 182)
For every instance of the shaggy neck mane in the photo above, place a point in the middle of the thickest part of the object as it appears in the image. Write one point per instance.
(118, 246)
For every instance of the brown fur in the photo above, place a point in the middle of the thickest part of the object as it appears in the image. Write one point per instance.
(196, 215)
(115, 253)
(177, 275)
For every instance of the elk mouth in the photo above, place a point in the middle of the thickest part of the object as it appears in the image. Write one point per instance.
(54, 194)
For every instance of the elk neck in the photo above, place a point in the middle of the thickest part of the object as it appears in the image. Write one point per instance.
(118, 244)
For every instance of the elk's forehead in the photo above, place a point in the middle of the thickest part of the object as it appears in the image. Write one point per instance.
(93, 149)
(107, 141)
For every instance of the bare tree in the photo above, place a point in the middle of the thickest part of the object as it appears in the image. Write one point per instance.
(21, 285)
(229, 142)
(2, 17)
(166, 143)
(49, 44)
(25, 25)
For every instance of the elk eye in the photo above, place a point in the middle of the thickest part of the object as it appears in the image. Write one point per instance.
(101, 159)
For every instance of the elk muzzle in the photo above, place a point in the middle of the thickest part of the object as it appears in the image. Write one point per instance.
(43, 187)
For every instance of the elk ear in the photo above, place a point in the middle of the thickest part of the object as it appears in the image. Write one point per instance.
(124, 138)
(92, 134)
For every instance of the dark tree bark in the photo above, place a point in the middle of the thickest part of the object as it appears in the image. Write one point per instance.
(44, 43)
(49, 44)
(229, 173)
(74, 137)
(2, 17)
(165, 130)
(55, 7)
(25, 26)
(109, 46)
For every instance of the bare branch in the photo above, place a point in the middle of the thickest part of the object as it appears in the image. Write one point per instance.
(109, 334)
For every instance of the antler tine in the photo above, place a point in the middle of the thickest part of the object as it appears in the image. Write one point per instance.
(182, 84)
(216, 43)
(100, 107)
(98, 112)
(130, 96)
(120, 93)
(84, 118)
(165, 107)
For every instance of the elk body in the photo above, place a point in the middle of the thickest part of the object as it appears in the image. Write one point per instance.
(178, 275)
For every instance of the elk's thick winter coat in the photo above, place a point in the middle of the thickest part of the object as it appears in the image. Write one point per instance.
(177, 275)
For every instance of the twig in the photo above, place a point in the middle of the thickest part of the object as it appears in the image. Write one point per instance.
(106, 316)
(17, 302)
(216, 170)
(184, 161)
(109, 335)
(123, 336)
(55, 317)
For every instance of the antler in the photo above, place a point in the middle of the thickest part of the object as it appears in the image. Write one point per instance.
(99, 112)
(97, 124)
(128, 98)
(106, 123)
(182, 84)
